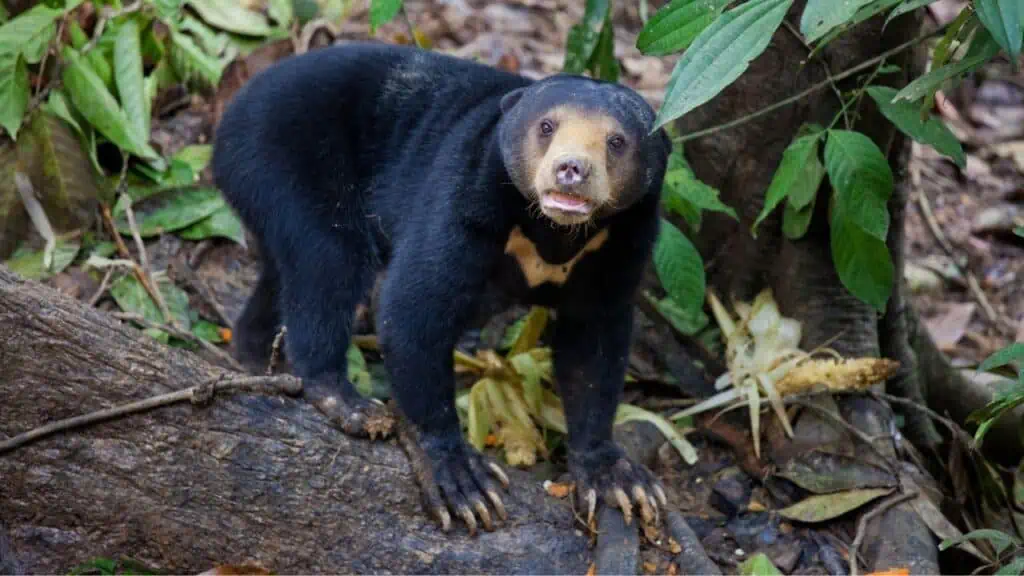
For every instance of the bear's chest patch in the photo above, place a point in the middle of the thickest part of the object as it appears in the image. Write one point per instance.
(535, 269)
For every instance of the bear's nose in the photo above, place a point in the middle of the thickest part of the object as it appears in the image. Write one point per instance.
(571, 172)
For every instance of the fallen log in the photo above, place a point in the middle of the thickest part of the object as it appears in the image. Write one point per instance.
(241, 479)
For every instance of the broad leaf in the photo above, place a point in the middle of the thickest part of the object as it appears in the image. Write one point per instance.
(14, 92)
(29, 263)
(720, 54)
(821, 16)
(686, 321)
(796, 221)
(129, 79)
(861, 260)
(867, 11)
(232, 16)
(92, 99)
(676, 25)
(907, 6)
(758, 565)
(862, 180)
(999, 540)
(907, 117)
(686, 185)
(583, 39)
(983, 48)
(1003, 20)
(382, 12)
(26, 30)
(222, 223)
(1012, 353)
(1019, 231)
(207, 331)
(131, 297)
(822, 507)
(679, 267)
(190, 62)
(281, 11)
(798, 176)
(178, 211)
(196, 156)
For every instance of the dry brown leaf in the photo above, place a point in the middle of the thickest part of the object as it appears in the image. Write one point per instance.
(650, 568)
(672, 569)
(558, 490)
(948, 328)
(756, 506)
(592, 571)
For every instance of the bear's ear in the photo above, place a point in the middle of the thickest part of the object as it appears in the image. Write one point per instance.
(511, 99)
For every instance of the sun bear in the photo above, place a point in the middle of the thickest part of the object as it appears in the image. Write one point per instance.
(451, 177)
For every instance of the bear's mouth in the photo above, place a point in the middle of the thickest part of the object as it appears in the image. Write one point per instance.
(566, 202)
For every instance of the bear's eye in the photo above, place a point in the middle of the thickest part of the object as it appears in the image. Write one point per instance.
(616, 142)
(547, 127)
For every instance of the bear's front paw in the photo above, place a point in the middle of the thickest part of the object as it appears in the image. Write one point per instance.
(453, 475)
(354, 415)
(607, 471)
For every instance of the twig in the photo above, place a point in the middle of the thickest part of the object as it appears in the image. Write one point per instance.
(862, 525)
(122, 249)
(158, 297)
(972, 281)
(408, 24)
(869, 441)
(184, 335)
(275, 350)
(106, 15)
(811, 90)
(283, 384)
(824, 66)
(954, 429)
(102, 289)
(37, 214)
(183, 271)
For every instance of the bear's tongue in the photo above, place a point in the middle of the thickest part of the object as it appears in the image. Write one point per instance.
(566, 202)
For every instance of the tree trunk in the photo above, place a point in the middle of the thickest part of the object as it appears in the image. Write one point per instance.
(244, 479)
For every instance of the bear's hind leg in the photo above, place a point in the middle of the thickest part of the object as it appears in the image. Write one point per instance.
(320, 289)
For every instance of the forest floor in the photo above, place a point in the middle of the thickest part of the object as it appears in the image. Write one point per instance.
(964, 265)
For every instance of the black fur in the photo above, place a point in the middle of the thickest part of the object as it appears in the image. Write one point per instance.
(355, 158)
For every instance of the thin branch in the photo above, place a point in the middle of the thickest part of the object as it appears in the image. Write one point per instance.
(811, 90)
(184, 335)
(862, 525)
(283, 384)
(140, 247)
(824, 66)
(102, 289)
(408, 24)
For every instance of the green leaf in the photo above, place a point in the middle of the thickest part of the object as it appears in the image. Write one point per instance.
(222, 223)
(382, 12)
(688, 322)
(29, 263)
(207, 331)
(907, 6)
(629, 413)
(57, 104)
(232, 16)
(131, 297)
(758, 564)
(796, 221)
(603, 64)
(798, 176)
(907, 117)
(862, 179)
(129, 78)
(982, 49)
(196, 156)
(1014, 568)
(821, 16)
(999, 540)
(26, 30)
(720, 54)
(1019, 231)
(679, 267)
(14, 92)
(178, 211)
(282, 11)
(191, 63)
(861, 260)
(583, 38)
(700, 195)
(866, 12)
(92, 99)
(357, 373)
(1003, 20)
(1012, 353)
(676, 25)
(822, 507)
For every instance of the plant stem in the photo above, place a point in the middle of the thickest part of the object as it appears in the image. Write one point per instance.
(811, 90)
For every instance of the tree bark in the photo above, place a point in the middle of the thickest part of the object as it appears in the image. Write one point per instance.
(242, 479)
